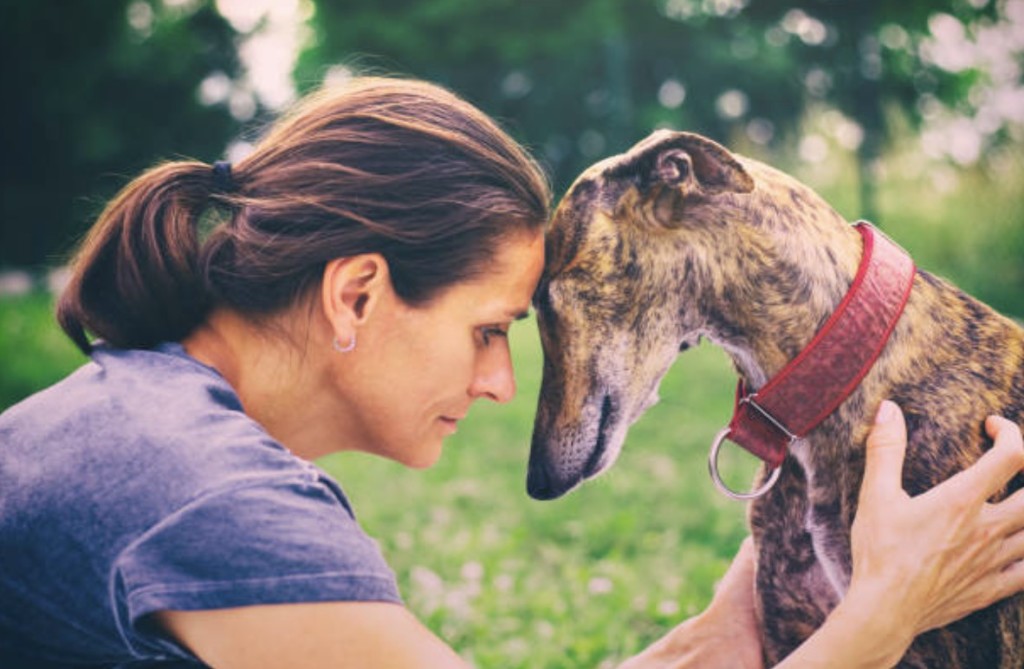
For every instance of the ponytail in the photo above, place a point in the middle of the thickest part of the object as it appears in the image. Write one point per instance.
(136, 279)
(398, 167)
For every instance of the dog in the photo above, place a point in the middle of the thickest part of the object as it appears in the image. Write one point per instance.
(678, 239)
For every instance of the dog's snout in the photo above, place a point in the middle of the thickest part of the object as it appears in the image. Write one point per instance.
(541, 482)
(538, 482)
(550, 476)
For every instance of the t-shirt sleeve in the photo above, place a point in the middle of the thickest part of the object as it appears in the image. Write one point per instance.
(272, 543)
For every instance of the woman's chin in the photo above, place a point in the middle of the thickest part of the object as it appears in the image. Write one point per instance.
(425, 457)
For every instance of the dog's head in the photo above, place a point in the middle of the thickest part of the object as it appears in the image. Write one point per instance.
(626, 265)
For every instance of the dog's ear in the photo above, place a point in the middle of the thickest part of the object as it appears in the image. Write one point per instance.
(673, 167)
(676, 159)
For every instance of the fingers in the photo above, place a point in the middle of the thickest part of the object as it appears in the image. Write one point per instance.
(1008, 514)
(985, 591)
(999, 464)
(747, 552)
(1005, 582)
(1011, 579)
(1005, 431)
(1011, 551)
(886, 450)
(744, 564)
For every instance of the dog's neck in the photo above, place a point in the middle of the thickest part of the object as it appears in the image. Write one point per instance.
(813, 385)
(787, 294)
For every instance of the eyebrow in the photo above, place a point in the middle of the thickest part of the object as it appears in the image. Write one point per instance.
(520, 315)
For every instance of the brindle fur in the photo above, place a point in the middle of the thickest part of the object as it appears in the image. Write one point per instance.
(679, 239)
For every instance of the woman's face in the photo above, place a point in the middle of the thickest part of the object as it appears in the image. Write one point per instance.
(416, 370)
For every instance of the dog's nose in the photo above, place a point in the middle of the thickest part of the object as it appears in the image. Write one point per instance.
(538, 481)
(542, 480)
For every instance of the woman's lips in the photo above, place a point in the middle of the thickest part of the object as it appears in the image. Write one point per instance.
(450, 423)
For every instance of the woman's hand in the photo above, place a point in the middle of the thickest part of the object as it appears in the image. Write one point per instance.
(921, 562)
(929, 560)
(918, 563)
(725, 636)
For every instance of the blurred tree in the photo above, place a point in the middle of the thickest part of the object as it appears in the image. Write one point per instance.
(578, 79)
(97, 91)
(585, 78)
(865, 58)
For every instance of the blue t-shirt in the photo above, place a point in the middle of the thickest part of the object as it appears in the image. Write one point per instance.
(138, 484)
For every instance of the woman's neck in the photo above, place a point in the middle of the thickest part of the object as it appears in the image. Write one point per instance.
(277, 381)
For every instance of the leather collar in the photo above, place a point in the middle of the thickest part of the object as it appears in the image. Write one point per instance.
(814, 383)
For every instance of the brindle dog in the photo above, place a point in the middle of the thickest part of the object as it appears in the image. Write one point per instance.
(679, 239)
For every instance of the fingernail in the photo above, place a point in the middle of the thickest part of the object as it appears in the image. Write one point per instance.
(887, 411)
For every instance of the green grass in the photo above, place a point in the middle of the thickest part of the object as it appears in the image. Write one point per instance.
(33, 351)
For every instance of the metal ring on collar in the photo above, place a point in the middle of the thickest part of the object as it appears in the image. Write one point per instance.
(716, 446)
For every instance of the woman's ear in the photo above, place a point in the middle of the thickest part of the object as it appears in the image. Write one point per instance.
(352, 288)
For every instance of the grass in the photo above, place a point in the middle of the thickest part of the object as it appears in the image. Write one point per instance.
(591, 578)
(33, 351)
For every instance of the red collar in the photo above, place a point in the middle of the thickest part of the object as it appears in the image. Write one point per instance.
(814, 383)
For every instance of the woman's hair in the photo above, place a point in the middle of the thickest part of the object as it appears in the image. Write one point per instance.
(398, 167)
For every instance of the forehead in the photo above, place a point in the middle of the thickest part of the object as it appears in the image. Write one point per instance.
(506, 286)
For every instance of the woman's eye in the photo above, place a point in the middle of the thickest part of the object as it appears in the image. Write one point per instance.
(492, 331)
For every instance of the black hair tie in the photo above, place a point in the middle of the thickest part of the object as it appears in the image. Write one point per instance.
(222, 180)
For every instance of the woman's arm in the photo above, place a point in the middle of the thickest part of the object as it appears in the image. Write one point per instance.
(329, 635)
(725, 635)
(918, 563)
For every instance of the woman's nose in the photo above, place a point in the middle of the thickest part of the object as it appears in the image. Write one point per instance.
(494, 377)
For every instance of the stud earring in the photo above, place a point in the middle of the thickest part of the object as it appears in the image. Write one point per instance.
(336, 345)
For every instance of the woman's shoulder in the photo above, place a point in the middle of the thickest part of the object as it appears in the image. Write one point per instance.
(164, 378)
(131, 382)
(155, 411)
(142, 466)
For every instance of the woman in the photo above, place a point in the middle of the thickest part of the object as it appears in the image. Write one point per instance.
(348, 286)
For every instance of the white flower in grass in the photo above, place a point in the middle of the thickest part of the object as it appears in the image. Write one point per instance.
(600, 585)
(668, 607)
(426, 580)
(545, 629)
(504, 582)
(472, 571)
(458, 603)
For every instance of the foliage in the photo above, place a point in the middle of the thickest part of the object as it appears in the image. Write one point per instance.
(98, 90)
(105, 88)
(581, 79)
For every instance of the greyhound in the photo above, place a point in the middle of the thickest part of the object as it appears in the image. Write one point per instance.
(679, 239)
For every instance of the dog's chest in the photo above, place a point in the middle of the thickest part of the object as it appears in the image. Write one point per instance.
(803, 555)
(804, 565)
(823, 523)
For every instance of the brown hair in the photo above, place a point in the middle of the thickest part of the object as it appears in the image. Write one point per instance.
(398, 167)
